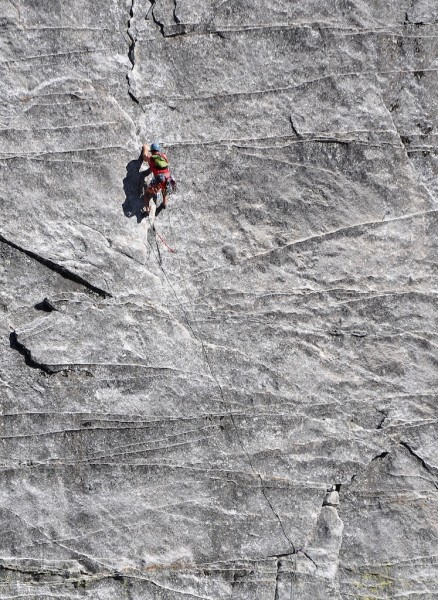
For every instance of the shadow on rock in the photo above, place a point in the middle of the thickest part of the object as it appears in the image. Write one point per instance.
(159, 208)
(133, 187)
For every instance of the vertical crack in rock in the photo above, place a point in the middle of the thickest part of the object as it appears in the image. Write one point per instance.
(198, 337)
(175, 30)
(154, 18)
(383, 419)
(58, 269)
(277, 575)
(422, 461)
(288, 576)
(131, 52)
(263, 489)
(294, 129)
(175, 8)
(30, 362)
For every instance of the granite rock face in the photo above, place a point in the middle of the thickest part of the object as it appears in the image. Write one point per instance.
(251, 416)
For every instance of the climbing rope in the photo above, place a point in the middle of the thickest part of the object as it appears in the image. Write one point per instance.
(198, 337)
(161, 238)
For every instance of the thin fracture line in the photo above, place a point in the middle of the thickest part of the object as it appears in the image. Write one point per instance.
(222, 394)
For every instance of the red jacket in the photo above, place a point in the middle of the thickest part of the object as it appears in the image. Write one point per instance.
(155, 170)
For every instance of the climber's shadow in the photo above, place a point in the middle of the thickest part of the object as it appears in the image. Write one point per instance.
(133, 187)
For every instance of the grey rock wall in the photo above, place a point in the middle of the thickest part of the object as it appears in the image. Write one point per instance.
(252, 416)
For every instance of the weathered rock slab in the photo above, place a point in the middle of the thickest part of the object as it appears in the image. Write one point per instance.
(240, 404)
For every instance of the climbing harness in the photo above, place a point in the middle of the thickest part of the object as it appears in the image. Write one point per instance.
(170, 186)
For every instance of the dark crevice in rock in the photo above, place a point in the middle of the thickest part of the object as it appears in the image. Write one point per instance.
(294, 129)
(131, 48)
(304, 553)
(276, 593)
(283, 555)
(155, 20)
(131, 51)
(58, 269)
(36, 574)
(77, 578)
(21, 349)
(383, 419)
(380, 456)
(175, 8)
(131, 95)
(328, 140)
(292, 545)
(45, 306)
(178, 28)
(422, 461)
(295, 552)
(337, 332)
(408, 21)
(221, 35)
(332, 496)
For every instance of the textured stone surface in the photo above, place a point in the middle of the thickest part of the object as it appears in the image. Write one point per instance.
(253, 416)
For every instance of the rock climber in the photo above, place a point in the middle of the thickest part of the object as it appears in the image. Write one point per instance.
(162, 179)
